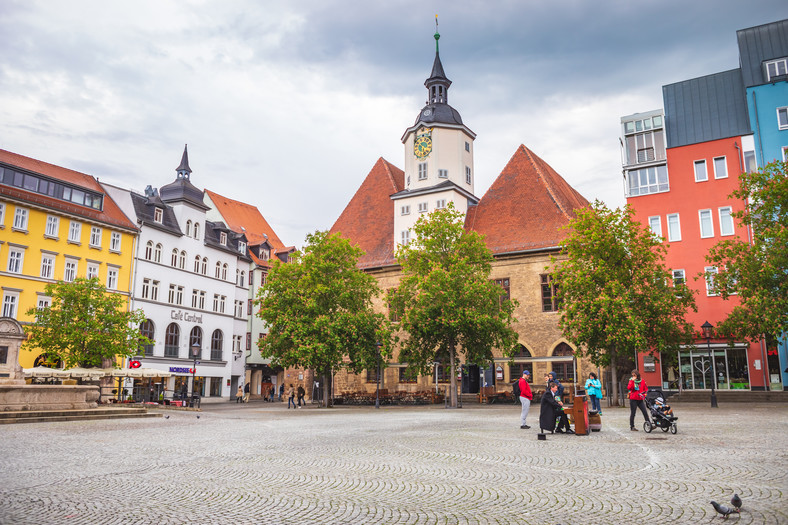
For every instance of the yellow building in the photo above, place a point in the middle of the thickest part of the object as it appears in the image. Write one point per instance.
(56, 225)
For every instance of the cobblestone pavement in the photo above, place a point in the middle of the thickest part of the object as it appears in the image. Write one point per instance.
(261, 463)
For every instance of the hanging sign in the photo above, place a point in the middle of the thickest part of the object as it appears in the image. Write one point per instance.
(135, 364)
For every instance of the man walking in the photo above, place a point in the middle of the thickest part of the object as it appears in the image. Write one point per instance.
(525, 398)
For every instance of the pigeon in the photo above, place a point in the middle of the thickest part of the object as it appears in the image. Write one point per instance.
(166, 417)
(736, 501)
(722, 509)
(198, 416)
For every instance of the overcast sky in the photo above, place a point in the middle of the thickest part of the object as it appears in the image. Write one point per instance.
(288, 105)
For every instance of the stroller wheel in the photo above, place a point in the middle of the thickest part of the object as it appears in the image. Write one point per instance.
(673, 428)
(665, 428)
(647, 426)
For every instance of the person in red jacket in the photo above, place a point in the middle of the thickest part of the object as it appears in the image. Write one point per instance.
(637, 394)
(525, 397)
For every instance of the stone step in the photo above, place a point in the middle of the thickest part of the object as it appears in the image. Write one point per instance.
(85, 417)
(25, 414)
(729, 396)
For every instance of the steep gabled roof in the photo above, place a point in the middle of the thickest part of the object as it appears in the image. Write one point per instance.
(368, 219)
(247, 219)
(525, 207)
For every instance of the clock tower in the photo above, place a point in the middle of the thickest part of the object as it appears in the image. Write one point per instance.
(438, 158)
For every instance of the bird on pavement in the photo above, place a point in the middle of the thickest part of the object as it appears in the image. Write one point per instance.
(198, 416)
(736, 501)
(166, 417)
(722, 509)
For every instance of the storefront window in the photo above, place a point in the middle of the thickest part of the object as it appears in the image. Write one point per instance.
(216, 386)
(729, 369)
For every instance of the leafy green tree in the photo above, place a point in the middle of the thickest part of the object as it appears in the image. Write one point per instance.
(85, 325)
(319, 311)
(446, 301)
(756, 270)
(617, 296)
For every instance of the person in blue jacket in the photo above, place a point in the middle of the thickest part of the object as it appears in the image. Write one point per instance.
(594, 391)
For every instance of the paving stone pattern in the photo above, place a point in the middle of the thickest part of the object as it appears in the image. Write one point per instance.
(261, 463)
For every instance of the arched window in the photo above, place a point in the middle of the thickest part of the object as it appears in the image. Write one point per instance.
(237, 276)
(157, 253)
(174, 262)
(195, 337)
(171, 340)
(188, 228)
(216, 345)
(147, 329)
(197, 264)
(516, 369)
(149, 251)
(564, 370)
(182, 260)
(218, 269)
(243, 278)
(224, 272)
(197, 230)
(204, 266)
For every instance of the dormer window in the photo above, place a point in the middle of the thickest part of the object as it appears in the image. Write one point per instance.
(242, 247)
(223, 238)
(776, 68)
(264, 254)
(158, 214)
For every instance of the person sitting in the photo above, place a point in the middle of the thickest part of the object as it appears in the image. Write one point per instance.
(663, 407)
(550, 406)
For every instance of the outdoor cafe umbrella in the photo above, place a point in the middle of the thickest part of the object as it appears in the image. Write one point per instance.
(44, 372)
(86, 373)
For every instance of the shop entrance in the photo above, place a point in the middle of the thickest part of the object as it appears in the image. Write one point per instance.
(726, 367)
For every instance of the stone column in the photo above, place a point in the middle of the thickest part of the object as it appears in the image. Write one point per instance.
(11, 337)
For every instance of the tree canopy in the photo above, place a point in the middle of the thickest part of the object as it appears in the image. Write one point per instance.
(617, 296)
(85, 325)
(446, 301)
(757, 269)
(318, 308)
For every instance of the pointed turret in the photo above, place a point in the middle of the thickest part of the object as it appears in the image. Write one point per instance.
(184, 171)
(437, 85)
(182, 189)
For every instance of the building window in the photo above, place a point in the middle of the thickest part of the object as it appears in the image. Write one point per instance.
(678, 277)
(504, 283)
(149, 251)
(655, 224)
(53, 223)
(776, 68)
(782, 118)
(174, 258)
(201, 300)
(157, 253)
(114, 242)
(189, 228)
(706, 224)
(47, 266)
(243, 279)
(10, 302)
(550, 301)
(223, 238)
(217, 340)
(218, 271)
(404, 377)
(405, 210)
(710, 271)
(195, 338)
(700, 171)
(242, 247)
(720, 168)
(248, 340)
(74, 232)
(423, 207)
(204, 267)
(176, 294)
(147, 330)
(405, 237)
(197, 230)
(467, 146)
(648, 180)
(197, 264)
(20, 219)
(95, 237)
(224, 272)
(564, 369)
(216, 302)
(195, 295)
(70, 272)
(726, 221)
(15, 258)
(422, 171)
(182, 260)
(158, 214)
(145, 293)
(171, 340)
(92, 270)
(443, 174)
(44, 301)
(2, 215)
(467, 175)
(440, 204)
(674, 227)
(372, 375)
(249, 307)
(222, 300)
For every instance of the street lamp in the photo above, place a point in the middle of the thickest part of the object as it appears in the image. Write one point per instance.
(377, 378)
(436, 364)
(707, 328)
(195, 348)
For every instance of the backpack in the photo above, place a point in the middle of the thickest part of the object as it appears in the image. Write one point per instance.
(516, 389)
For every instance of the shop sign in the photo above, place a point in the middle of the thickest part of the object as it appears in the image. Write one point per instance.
(180, 369)
(180, 315)
(649, 365)
(135, 364)
(499, 373)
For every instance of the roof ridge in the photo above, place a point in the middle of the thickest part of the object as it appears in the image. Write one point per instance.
(547, 183)
(389, 174)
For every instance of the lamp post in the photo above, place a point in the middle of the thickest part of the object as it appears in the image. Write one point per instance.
(436, 364)
(195, 348)
(377, 378)
(707, 328)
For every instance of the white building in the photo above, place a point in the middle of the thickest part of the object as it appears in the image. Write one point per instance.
(187, 281)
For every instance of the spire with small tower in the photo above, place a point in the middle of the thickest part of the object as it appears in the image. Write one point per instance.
(184, 171)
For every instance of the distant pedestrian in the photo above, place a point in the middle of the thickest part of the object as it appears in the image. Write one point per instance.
(594, 391)
(239, 396)
(301, 393)
(291, 396)
(526, 396)
(281, 391)
(271, 394)
(637, 389)
(247, 390)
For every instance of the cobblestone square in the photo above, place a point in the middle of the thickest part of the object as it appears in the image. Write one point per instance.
(261, 463)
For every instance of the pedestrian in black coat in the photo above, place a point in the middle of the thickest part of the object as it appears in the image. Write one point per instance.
(550, 408)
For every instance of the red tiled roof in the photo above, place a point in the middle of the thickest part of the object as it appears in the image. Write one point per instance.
(247, 219)
(368, 219)
(110, 214)
(525, 207)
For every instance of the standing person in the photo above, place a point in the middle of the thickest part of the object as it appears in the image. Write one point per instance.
(526, 396)
(247, 390)
(281, 391)
(291, 396)
(554, 378)
(301, 393)
(637, 389)
(594, 390)
(550, 407)
(239, 396)
(271, 394)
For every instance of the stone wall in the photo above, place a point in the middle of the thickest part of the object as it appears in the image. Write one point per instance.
(48, 397)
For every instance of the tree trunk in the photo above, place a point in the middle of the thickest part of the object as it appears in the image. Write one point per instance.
(614, 377)
(453, 379)
(326, 389)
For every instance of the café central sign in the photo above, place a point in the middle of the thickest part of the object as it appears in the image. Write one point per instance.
(180, 315)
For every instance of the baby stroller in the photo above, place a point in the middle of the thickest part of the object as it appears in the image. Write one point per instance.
(659, 419)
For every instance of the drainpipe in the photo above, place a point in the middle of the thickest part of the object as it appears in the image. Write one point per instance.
(758, 128)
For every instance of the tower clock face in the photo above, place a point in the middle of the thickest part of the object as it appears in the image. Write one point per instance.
(422, 145)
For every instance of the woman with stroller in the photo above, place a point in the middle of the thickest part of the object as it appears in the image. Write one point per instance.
(594, 391)
(637, 389)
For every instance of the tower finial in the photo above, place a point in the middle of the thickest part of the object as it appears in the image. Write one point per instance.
(437, 35)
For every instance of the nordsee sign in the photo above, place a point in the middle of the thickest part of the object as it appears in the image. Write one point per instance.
(181, 369)
(180, 315)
